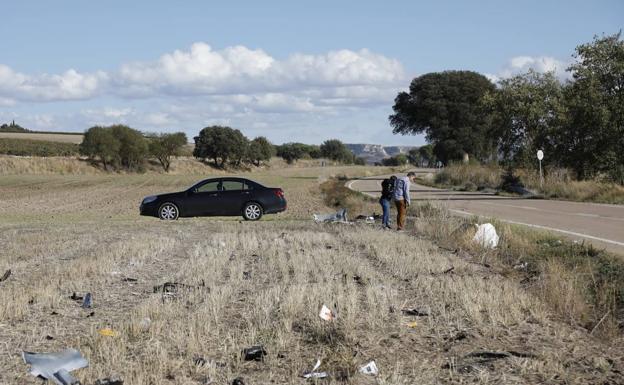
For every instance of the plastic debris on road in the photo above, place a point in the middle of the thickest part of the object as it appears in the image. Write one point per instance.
(56, 366)
(486, 236)
(313, 373)
(326, 314)
(370, 369)
(339, 216)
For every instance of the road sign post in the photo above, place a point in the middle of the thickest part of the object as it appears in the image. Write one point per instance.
(540, 156)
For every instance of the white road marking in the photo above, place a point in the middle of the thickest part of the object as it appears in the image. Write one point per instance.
(581, 235)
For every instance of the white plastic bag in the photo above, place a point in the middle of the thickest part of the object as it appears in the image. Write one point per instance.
(486, 236)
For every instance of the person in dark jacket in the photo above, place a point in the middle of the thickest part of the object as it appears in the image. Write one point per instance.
(387, 192)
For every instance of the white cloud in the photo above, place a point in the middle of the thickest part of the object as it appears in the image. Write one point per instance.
(70, 85)
(522, 64)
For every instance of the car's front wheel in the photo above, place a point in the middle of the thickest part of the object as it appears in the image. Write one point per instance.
(168, 212)
(252, 211)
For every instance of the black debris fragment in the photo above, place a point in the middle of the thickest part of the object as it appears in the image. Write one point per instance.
(5, 276)
(238, 381)
(109, 381)
(415, 312)
(254, 353)
(76, 297)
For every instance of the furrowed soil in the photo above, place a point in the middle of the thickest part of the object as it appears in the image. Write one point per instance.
(262, 283)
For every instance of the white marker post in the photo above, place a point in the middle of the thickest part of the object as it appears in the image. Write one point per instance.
(540, 156)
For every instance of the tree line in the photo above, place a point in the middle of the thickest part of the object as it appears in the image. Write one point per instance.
(578, 123)
(121, 147)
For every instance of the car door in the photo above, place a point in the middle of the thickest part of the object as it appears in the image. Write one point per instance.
(232, 197)
(205, 199)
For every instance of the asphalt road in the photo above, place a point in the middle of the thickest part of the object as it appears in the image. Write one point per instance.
(600, 224)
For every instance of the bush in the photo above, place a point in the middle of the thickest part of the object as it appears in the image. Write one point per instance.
(397, 160)
(29, 147)
(291, 152)
(260, 149)
(118, 146)
(336, 150)
(221, 144)
(164, 146)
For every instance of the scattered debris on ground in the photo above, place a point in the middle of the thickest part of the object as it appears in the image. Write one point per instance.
(370, 369)
(415, 312)
(87, 302)
(486, 236)
(313, 373)
(327, 314)
(114, 380)
(5, 276)
(108, 332)
(56, 366)
(339, 216)
(254, 353)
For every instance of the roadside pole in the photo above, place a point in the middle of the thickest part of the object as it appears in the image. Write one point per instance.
(540, 156)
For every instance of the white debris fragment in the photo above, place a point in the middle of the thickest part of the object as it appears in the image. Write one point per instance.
(339, 216)
(486, 236)
(326, 314)
(370, 369)
(56, 366)
(313, 373)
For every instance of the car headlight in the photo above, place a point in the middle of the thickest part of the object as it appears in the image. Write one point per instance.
(149, 199)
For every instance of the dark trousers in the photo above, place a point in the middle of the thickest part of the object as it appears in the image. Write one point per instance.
(385, 207)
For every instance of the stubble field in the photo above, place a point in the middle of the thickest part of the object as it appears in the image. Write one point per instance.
(242, 284)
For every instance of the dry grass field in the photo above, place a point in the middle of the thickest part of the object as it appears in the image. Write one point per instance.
(51, 137)
(261, 283)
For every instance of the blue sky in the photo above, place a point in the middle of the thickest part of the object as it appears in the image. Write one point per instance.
(291, 71)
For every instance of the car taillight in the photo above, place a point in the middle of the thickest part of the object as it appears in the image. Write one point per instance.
(279, 192)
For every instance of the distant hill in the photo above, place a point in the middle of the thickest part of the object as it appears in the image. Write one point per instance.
(373, 153)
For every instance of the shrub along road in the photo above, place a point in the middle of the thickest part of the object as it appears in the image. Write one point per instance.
(600, 224)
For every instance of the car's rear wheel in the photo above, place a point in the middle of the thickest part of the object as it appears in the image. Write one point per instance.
(168, 212)
(252, 211)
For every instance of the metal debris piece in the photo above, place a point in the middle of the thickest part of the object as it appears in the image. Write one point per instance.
(415, 312)
(87, 302)
(326, 314)
(55, 366)
(5, 276)
(339, 216)
(254, 353)
(370, 369)
(313, 373)
(109, 381)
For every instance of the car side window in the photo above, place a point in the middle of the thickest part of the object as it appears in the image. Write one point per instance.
(232, 185)
(247, 186)
(209, 187)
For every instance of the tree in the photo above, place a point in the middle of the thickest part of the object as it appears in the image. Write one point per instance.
(446, 106)
(133, 146)
(335, 150)
(591, 142)
(526, 111)
(291, 152)
(260, 149)
(164, 146)
(220, 144)
(426, 154)
(397, 160)
(99, 142)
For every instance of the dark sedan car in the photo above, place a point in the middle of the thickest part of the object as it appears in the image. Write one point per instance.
(217, 197)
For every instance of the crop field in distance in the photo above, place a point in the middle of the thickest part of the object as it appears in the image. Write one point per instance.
(241, 284)
(51, 137)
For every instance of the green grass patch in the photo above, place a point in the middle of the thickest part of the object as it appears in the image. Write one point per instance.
(27, 147)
